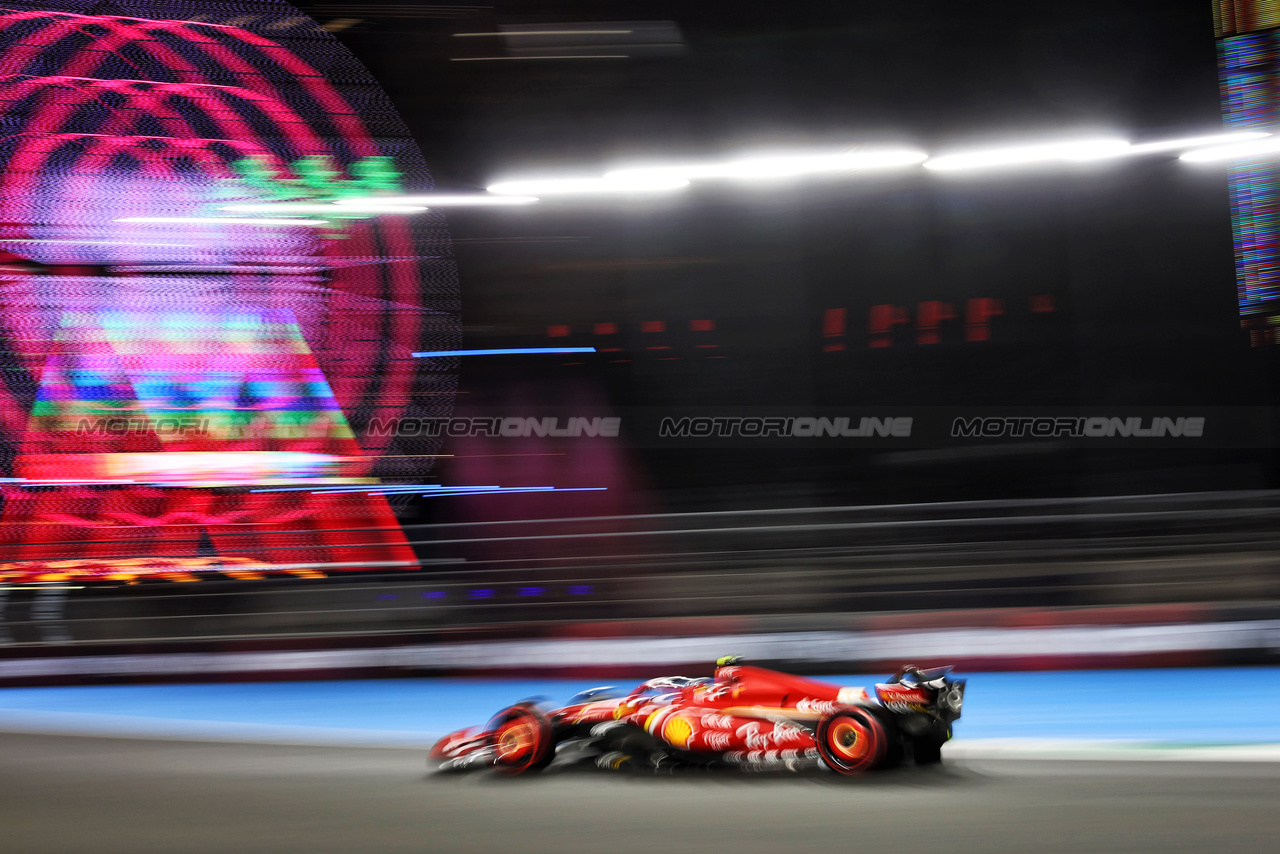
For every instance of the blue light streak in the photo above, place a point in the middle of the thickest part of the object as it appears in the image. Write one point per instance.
(365, 487)
(372, 489)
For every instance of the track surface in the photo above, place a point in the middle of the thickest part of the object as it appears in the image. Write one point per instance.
(88, 795)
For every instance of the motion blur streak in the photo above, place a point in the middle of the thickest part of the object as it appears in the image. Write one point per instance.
(658, 177)
(303, 207)
(974, 565)
(517, 33)
(766, 167)
(589, 186)
(1265, 148)
(1075, 151)
(505, 351)
(154, 795)
(442, 200)
(565, 56)
(1008, 713)
(1248, 62)
(213, 220)
(1196, 142)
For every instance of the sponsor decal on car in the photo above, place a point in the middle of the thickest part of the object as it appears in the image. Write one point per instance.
(906, 707)
(717, 739)
(751, 736)
(627, 707)
(758, 735)
(677, 732)
(897, 699)
(818, 707)
(903, 695)
(596, 710)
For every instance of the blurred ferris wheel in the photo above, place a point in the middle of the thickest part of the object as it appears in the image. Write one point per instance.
(169, 347)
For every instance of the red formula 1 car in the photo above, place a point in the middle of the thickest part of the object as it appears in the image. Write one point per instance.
(743, 716)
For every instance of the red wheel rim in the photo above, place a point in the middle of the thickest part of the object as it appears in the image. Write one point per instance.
(849, 740)
(852, 742)
(516, 741)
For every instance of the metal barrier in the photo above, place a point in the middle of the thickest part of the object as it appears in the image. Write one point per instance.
(799, 566)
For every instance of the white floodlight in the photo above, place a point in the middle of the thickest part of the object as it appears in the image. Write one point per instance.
(1196, 142)
(1258, 148)
(771, 167)
(439, 201)
(1075, 151)
(618, 185)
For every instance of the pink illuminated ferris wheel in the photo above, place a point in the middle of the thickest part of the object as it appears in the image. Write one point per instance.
(165, 354)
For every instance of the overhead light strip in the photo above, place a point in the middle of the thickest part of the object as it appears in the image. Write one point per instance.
(765, 168)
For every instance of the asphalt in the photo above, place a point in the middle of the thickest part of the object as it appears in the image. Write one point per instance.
(91, 794)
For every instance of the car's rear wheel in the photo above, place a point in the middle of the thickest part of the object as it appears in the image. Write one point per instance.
(522, 741)
(926, 751)
(852, 742)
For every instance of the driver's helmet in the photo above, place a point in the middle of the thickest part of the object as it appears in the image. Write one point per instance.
(592, 695)
(666, 690)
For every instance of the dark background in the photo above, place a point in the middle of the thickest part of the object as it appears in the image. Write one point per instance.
(1134, 256)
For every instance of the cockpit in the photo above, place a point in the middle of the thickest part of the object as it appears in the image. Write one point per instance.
(595, 695)
(665, 690)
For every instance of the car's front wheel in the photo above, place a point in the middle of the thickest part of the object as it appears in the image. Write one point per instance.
(522, 740)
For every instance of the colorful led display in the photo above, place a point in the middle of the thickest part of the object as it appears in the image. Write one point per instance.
(167, 347)
(1249, 63)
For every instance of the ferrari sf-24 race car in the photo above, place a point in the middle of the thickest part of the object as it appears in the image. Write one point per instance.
(743, 716)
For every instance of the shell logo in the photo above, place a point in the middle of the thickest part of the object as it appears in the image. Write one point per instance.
(677, 732)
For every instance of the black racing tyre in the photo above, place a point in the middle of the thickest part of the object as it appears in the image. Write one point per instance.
(853, 742)
(522, 741)
(926, 751)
